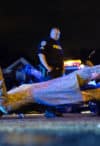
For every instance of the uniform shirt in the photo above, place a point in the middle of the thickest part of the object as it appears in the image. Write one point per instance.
(53, 52)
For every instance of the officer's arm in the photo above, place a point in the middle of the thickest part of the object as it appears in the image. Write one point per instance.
(43, 60)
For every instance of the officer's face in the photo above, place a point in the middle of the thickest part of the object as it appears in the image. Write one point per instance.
(55, 34)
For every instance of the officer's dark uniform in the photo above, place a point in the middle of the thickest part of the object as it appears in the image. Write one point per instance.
(54, 56)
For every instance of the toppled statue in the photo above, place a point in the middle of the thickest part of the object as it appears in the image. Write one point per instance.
(59, 91)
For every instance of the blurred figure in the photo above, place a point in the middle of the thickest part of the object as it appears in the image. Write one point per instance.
(90, 56)
(50, 55)
(51, 59)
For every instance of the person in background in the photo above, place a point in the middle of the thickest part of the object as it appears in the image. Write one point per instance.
(51, 57)
(90, 56)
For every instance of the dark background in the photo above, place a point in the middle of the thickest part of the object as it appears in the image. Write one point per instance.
(24, 23)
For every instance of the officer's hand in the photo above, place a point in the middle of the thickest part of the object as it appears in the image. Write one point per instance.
(49, 69)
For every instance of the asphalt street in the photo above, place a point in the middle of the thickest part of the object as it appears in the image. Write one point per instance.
(36, 129)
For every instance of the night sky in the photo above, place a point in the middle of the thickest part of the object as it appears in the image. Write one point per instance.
(24, 23)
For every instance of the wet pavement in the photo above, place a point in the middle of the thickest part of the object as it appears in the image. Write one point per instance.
(37, 130)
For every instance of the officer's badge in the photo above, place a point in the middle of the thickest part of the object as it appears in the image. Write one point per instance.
(57, 47)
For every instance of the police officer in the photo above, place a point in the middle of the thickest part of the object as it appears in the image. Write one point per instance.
(50, 55)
